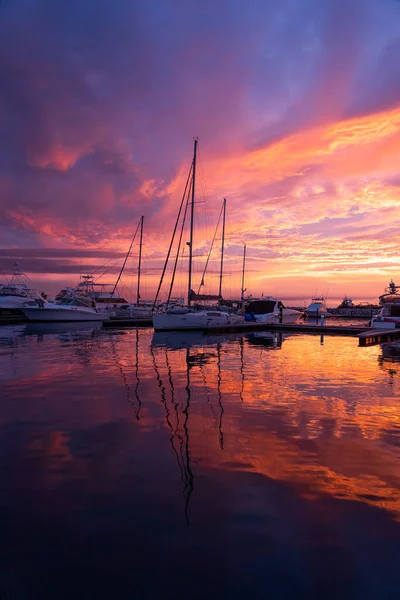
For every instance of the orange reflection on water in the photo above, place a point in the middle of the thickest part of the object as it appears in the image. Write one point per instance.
(320, 418)
(320, 415)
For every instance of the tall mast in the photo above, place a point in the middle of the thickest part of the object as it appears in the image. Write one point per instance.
(191, 222)
(244, 266)
(140, 260)
(222, 249)
(126, 258)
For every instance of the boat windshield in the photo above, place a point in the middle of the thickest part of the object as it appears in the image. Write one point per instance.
(75, 301)
(262, 307)
(108, 299)
(13, 291)
(389, 298)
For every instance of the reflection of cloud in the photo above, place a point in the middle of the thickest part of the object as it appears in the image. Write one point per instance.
(322, 419)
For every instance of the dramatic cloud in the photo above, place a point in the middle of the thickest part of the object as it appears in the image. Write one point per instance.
(297, 106)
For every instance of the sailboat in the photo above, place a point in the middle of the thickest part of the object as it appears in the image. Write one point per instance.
(105, 296)
(138, 311)
(185, 317)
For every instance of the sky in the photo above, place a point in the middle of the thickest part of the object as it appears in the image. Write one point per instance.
(296, 105)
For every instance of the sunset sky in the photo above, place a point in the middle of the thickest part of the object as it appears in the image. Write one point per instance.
(296, 104)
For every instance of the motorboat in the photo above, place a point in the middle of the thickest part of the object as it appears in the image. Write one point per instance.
(68, 308)
(389, 314)
(101, 294)
(317, 308)
(16, 293)
(270, 310)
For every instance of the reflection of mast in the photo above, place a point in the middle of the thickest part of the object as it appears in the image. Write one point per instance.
(189, 484)
(242, 366)
(139, 403)
(135, 405)
(179, 444)
(221, 435)
(207, 389)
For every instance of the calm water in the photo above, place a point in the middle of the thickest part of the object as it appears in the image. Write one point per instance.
(141, 465)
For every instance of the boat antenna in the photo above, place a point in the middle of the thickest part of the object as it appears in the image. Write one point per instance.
(140, 260)
(243, 270)
(222, 249)
(126, 258)
(190, 243)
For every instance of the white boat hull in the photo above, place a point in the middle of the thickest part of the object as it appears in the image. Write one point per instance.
(385, 323)
(316, 313)
(134, 313)
(61, 314)
(288, 316)
(200, 320)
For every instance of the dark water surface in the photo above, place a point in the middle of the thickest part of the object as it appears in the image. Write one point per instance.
(141, 465)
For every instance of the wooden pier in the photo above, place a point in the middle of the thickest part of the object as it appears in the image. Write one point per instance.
(378, 336)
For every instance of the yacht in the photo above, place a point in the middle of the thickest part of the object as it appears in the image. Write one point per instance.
(103, 297)
(16, 293)
(317, 308)
(389, 314)
(270, 310)
(70, 307)
(347, 308)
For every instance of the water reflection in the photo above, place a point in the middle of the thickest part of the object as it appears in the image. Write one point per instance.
(178, 426)
(75, 328)
(276, 449)
(389, 360)
(266, 339)
(135, 402)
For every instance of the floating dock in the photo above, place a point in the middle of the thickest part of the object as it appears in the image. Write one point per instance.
(128, 323)
(293, 328)
(251, 326)
(378, 336)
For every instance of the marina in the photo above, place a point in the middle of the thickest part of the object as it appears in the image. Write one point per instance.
(199, 300)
